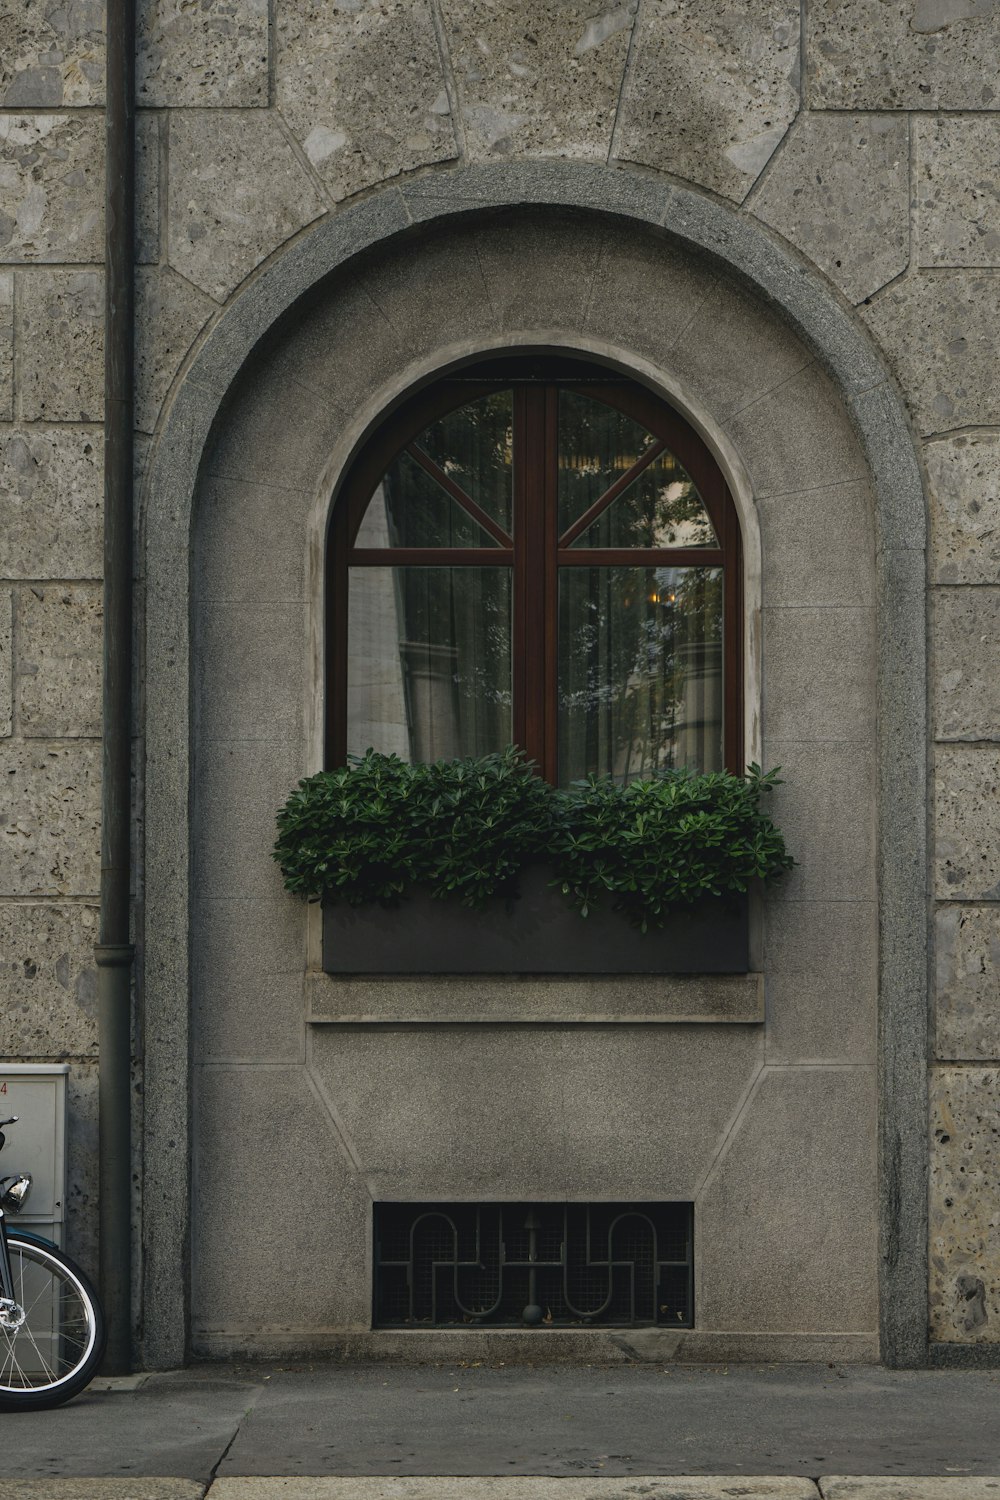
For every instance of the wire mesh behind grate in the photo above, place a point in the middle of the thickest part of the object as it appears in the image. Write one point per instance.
(555, 1264)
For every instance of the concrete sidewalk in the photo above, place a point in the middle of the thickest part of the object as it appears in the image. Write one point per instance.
(474, 1432)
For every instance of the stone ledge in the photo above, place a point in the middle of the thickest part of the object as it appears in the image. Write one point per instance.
(505, 999)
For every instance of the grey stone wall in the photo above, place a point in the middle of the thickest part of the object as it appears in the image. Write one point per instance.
(826, 130)
(51, 444)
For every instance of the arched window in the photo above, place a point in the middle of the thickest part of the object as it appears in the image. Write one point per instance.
(541, 552)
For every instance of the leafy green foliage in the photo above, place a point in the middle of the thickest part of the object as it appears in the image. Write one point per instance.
(466, 828)
(657, 846)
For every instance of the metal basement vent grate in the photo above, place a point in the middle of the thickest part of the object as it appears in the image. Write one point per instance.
(566, 1265)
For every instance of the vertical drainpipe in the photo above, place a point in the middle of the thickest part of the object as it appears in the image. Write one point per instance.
(114, 952)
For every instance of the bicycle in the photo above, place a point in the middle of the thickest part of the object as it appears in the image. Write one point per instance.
(52, 1329)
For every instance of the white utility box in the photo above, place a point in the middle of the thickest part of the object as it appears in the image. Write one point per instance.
(36, 1093)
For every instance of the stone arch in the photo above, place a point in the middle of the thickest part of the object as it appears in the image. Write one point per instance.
(218, 419)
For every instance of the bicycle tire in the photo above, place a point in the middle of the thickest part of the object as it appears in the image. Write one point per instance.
(55, 1352)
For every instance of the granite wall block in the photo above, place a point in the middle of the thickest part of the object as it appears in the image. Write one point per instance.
(963, 473)
(51, 818)
(52, 187)
(6, 662)
(967, 991)
(965, 632)
(964, 1213)
(51, 502)
(60, 345)
(58, 667)
(51, 56)
(49, 980)
(6, 346)
(213, 53)
(958, 190)
(967, 823)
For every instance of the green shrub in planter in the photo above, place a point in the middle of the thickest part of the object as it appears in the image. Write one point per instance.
(466, 828)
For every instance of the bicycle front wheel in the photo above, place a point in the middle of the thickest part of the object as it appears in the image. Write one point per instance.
(52, 1340)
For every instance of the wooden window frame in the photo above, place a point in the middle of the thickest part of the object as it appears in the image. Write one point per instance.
(536, 555)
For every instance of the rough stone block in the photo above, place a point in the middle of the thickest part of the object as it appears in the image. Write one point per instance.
(967, 823)
(965, 635)
(581, 1113)
(826, 811)
(967, 1012)
(925, 54)
(538, 81)
(327, 1282)
(51, 502)
(49, 980)
(797, 437)
(50, 818)
(60, 345)
(236, 192)
(963, 475)
(51, 55)
(214, 53)
(938, 332)
(259, 696)
(147, 187)
(58, 668)
(6, 665)
(813, 546)
(6, 346)
(840, 191)
(712, 89)
(363, 89)
(958, 190)
(964, 1183)
(52, 187)
(170, 313)
(804, 1142)
(821, 967)
(247, 973)
(819, 674)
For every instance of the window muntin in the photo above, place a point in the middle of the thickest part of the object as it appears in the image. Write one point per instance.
(552, 561)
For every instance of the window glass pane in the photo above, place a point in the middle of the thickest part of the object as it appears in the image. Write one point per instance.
(660, 508)
(474, 447)
(410, 509)
(429, 665)
(640, 671)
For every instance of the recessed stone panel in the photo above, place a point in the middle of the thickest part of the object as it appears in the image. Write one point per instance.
(236, 191)
(170, 314)
(581, 1113)
(214, 53)
(958, 190)
(52, 187)
(363, 89)
(51, 818)
(804, 1143)
(818, 547)
(240, 789)
(965, 632)
(6, 663)
(964, 1185)
(921, 54)
(819, 673)
(51, 502)
(963, 474)
(712, 89)
(313, 1243)
(967, 822)
(6, 346)
(825, 809)
(60, 345)
(840, 192)
(938, 333)
(821, 967)
(58, 668)
(49, 980)
(249, 965)
(52, 55)
(797, 437)
(967, 982)
(260, 695)
(543, 80)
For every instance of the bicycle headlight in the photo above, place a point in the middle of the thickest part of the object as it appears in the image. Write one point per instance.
(16, 1193)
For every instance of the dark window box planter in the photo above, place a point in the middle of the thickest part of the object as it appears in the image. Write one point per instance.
(539, 933)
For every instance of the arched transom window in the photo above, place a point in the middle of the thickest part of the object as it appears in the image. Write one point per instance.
(537, 552)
